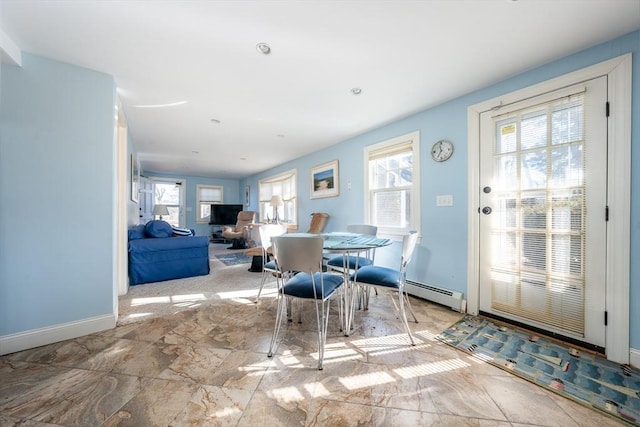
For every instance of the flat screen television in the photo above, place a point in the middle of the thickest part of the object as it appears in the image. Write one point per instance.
(224, 214)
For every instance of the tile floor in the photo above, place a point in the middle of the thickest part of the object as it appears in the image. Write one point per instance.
(208, 367)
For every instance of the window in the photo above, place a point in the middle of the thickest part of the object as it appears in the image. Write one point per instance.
(171, 194)
(206, 195)
(392, 177)
(280, 185)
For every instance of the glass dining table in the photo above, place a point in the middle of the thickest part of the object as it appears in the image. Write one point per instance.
(348, 244)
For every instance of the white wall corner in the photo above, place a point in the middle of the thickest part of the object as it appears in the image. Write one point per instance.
(9, 51)
(51, 334)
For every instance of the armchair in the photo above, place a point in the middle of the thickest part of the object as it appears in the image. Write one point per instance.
(239, 233)
(318, 222)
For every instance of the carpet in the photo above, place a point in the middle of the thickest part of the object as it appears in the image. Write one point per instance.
(224, 282)
(234, 258)
(570, 372)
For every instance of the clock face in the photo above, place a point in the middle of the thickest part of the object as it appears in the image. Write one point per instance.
(442, 150)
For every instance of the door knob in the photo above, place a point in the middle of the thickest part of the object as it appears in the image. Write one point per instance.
(486, 210)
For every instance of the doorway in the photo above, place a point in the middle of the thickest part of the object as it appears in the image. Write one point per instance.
(170, 192)
(543, 174)
(524, 227)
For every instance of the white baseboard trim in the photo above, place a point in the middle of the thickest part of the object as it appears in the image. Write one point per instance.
(50, 334)
(634, 358)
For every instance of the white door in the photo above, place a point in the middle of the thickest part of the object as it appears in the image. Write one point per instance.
(170, 192)
(543, 183)
(145, 200)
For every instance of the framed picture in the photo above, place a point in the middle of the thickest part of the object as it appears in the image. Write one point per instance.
(325, 181)
(247, 195)
(135, 178)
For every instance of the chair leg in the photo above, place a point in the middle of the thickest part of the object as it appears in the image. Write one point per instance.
(322, 320)
(406, 296)
(276, 329)
(289, 311)
(299, 308)
(403, 316)
(264, 279)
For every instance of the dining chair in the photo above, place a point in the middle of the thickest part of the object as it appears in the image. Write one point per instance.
(385, 278)
(299, 261)
(347, 263)
(269, 268)
(353, 262)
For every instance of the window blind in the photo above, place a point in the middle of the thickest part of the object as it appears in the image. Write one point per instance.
(538, 238)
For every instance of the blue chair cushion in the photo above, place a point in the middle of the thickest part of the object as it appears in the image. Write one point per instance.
(376, 275)
(158, 228)
(271, 265)
(300, 285)
(338, 261)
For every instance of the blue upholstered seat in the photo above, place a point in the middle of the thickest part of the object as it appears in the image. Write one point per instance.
(376, 275)
(301, 285)
(352, 261)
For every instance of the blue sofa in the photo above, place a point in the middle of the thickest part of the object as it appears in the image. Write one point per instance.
(159, 252)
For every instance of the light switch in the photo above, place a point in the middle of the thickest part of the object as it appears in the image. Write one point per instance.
(444, 200)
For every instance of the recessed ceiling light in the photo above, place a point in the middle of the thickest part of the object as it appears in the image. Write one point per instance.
(263, 48)
(356, 91)
(215, 121)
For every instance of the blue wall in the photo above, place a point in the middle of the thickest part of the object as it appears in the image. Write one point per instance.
(57, 187)
(56, 211)
(441, 257)
(231, 194)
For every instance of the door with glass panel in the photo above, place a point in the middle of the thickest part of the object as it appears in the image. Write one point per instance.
(542, 212)
(171, 194)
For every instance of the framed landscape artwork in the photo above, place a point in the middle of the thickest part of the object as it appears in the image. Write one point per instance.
(325, 181)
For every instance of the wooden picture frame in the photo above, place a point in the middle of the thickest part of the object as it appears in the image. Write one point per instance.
(135, 178)
(325, 180)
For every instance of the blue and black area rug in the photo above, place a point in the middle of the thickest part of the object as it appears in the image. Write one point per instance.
(234, 258)
(573, 373)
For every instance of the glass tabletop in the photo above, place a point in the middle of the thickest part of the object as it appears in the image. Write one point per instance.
(346, 241)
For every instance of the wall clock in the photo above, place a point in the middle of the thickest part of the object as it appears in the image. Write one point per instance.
(442, 150)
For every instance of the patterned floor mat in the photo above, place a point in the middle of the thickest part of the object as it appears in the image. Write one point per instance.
(234, 259)
(578, 375)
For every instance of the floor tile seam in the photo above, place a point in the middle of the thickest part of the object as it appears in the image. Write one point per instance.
(499, 407)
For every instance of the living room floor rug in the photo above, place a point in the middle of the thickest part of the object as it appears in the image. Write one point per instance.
(234, 258)
(569, 371)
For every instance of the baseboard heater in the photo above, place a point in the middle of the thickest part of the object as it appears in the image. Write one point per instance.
(441, 296)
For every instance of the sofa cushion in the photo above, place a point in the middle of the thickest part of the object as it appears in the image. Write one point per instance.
(177, 231)
(158, 228)
(136, 232)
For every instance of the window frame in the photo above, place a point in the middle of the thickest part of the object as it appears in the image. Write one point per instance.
(199, 201)
(264, 201)
(394, 146)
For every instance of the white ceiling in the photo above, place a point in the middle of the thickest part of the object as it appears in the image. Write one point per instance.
(405, 55)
